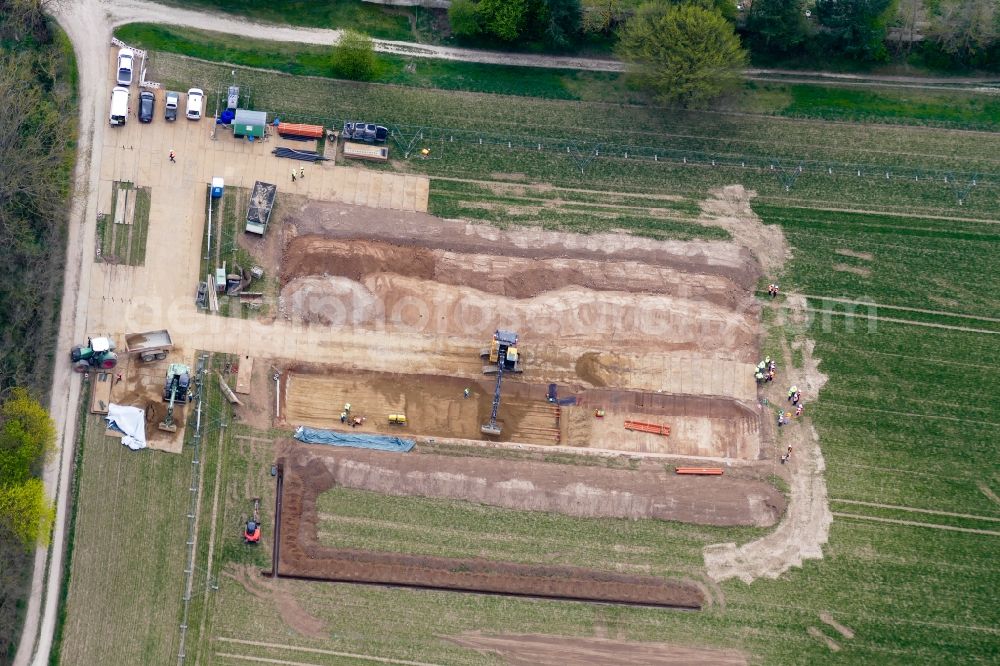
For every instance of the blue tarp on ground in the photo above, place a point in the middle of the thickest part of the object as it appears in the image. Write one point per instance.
(377, 442)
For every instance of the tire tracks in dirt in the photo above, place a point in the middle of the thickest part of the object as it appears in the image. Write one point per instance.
(933, 512)
(914, 523)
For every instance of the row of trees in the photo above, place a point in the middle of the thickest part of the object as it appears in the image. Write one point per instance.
(555, 22)
(956, 33)
(36, 158)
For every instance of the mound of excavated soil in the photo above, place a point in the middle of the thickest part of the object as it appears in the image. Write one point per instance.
(574, 490)
(338, 221)
(511, 276)
(571, 314)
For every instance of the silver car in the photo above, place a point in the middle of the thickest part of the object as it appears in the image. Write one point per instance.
(126, 63)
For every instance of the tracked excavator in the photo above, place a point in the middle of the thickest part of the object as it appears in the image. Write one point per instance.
(175, 389)
(500, 357)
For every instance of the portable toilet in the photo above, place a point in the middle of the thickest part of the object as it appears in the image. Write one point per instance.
(217, 185)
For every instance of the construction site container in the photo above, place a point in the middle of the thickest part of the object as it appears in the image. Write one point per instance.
(249, 123)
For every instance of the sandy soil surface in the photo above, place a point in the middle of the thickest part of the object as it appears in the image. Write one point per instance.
(142, 387)
(302, 556)
(574, 490)
(611, 311)
(571, 314)
(729, 208)
(435, 406)
(543, 650)
(505, 275)
(805, 527)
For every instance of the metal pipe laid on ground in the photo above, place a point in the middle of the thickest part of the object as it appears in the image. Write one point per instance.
(277, 395)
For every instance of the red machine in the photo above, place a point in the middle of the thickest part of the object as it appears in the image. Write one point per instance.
(251, 533)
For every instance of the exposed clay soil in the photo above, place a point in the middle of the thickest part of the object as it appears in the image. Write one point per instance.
(421, 230)
(390, 302)
(503, 275)
(302, 556)
(574, 490)
(543, 650)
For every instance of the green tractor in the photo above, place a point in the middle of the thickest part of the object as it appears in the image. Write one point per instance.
(97, 354)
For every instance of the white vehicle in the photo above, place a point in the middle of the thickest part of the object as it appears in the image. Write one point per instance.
(126, 61)
(119, 106)
(194, 102)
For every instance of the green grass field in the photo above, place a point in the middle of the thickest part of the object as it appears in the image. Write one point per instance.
(907, 421)
(125, 243)
(129, 553)
(643, 150)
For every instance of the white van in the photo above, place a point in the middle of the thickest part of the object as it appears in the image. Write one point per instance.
(119, 106)
(195, 99)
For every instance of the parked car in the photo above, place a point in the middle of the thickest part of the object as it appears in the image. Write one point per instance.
(118, 114)
(147, 103)
(126, 63)
(367, 132)
(196, 97)
(173, 100)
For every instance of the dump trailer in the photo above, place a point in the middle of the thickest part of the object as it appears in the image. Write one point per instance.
(149, 346)
(261, 203)
(501, 357)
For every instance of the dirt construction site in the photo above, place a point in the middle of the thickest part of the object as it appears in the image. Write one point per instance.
(654, 332)
(383, 325)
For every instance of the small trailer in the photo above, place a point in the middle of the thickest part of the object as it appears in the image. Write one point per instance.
(150, 346)
(365, 151)
(261, 203)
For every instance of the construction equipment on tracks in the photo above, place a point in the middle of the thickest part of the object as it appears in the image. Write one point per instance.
(251, 532)
(502, 357)
(653, 428)
(97, 354)
(175, 390)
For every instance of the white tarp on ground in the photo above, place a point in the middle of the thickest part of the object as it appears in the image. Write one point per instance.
(131, 421)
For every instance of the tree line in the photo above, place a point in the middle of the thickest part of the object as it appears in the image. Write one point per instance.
(37, 141)
(958, 34)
